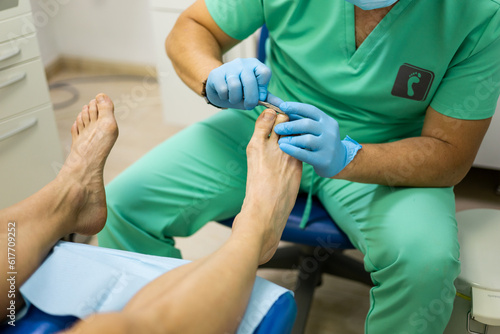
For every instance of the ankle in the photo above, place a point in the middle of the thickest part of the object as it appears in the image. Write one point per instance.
(249, 223)
(255, 228)
(72, 197)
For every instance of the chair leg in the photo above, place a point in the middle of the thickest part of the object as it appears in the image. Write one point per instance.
(307, 281)
(341, 265)
(311, 263)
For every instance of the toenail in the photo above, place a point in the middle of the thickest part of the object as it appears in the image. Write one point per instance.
(269, 115)
(282, 117)
(100, 98)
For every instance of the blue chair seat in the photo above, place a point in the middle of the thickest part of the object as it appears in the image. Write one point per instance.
(320, 231)
(279, 320)
(35, 321)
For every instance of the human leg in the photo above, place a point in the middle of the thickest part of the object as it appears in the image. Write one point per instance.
(196, 176)
(409, 239)
(182, 300)
(73, 202)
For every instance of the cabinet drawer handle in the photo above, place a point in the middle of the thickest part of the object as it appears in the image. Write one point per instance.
(10, 54)
(25, 125)
(13, 80)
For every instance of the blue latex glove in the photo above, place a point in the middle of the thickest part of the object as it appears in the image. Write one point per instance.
(313, 137)
(239, 84)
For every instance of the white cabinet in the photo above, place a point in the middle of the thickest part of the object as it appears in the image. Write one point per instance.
(181, 105)
(30, 150)
(489, 152)
(13, 8)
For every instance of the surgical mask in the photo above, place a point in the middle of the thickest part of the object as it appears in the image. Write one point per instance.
(372, 4)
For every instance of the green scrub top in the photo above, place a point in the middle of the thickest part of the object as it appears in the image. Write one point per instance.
(443, 53)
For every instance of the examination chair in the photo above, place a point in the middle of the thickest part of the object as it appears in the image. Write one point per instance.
(63, 291)
(278, 320)
(317, 249)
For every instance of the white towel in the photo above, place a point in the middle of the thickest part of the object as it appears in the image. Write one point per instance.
(79, 280)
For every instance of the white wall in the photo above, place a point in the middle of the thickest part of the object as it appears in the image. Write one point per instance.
(109, 30)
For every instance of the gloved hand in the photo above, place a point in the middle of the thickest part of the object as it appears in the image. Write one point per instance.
(313, 137)
(239, 84)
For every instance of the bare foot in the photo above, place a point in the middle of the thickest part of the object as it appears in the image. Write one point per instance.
(273, 182)
(94, 134)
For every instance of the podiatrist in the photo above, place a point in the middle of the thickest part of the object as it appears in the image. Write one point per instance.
(414, 82)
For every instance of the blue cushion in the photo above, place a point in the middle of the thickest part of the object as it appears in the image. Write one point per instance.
(321, 230)
(38, 322)
(281, 316)
(279, 320)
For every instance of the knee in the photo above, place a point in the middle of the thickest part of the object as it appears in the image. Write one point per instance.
(434, 267)
(423, 251)
(421, 264)
(430, 268)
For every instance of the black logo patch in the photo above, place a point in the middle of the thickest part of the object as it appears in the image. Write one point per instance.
(413, 83)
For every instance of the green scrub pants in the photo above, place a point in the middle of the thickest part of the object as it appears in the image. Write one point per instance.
(408, 235)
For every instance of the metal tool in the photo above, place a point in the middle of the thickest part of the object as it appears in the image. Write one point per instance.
(271, 106)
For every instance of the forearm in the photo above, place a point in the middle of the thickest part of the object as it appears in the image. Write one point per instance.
(194, 51)
(412, 162)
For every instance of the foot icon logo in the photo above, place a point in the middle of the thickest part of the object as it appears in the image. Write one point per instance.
(413, 83)
(413, 80)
